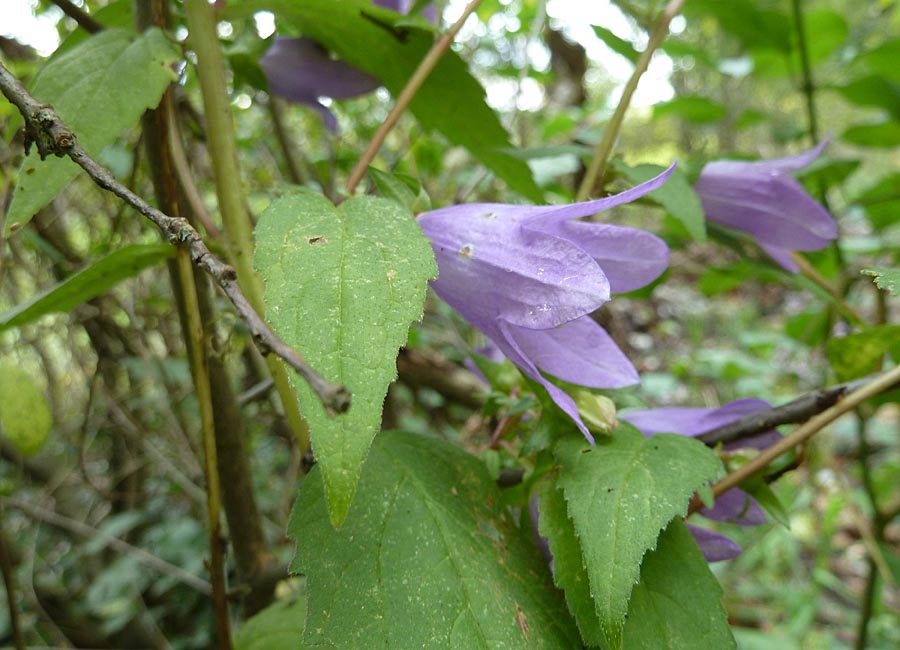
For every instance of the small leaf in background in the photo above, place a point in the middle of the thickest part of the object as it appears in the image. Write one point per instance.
(676, 196)
(92, 281)
(99, 87)
(860, 354)
(450, 101)
(873, 91)
(692, 108)
(425, 559)
(25, 418)
(343, 285)
(880, 135)
(402, 188)
(278, 627)
(882, 60)
(828, 30)
(620, 494)
(677, 604)
(886, 279)
(616, 44)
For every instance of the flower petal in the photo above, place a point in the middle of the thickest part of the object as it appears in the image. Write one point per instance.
(300, 70)
(580, 352)
(781, 256)
(629, 257)
(505, 340)
(544, 216)
(489, 268)
(737, 507)
(772, 207)
(715, 547)
(692, 421)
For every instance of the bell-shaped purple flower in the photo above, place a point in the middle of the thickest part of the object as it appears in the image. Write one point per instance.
(528, 277)
(300, 70)
(735, 506)
(762, 199)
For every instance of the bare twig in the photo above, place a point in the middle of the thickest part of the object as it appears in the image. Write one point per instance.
(51, 135)
(80, 528)
(604, 147)
(84, 20)
(9, 581)
(805, 431)
(796, 411)
(406, 95)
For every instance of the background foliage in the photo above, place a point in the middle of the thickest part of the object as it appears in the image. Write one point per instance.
(104, 508)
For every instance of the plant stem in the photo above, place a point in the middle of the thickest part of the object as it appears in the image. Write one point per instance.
(230, 187)
(9, 582)
(409, 91)
(199, 370)
(808, 87)
(604, 147)
(805, 431)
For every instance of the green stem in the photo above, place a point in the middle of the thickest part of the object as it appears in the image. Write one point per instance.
(808, 86)
(409, 91)
(230, 187)
(604, 147)
(203, 391)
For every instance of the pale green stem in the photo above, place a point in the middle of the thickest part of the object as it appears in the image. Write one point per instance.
(230, 187)
(604, 147)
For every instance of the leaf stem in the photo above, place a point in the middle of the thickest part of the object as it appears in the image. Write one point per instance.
(604, 147)
(406, 95)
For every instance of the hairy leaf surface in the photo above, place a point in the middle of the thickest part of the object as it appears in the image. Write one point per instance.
(425, 559)
(342, 287)
(620, 494)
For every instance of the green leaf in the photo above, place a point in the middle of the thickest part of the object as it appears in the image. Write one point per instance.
(873, 90)
(620, 494)
(569, 573)
(404, 189)
(278, 627)
(25, 418)
(827, 31)
(752, 25)
(450, 100)
(882, 60)
(886, 279)
(881, 201)
(342, 286)
(425, 559)
(676, 196)
(861, 354)
(99, 88)
(616, 44)
(880, 135)
(693, 108)
(90, 282)
(678, 603)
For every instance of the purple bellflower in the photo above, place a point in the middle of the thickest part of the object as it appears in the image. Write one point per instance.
(529, 277)
(301, 71)
(762, 199)
(735, 506)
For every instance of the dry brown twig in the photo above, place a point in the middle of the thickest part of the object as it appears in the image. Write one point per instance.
(49, 133)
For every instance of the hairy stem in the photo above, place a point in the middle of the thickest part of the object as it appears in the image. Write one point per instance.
(604, 147)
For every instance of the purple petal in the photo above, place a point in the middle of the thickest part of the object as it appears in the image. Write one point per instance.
(507, 344)
(489, 268)
(791, 163)
(580, 352)
(773, 207)
(300, 70)
(429, 13)
(630, 258)
(715, 547)
(542, 217)
(737, 507)
(781, 256)
(692, 421)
